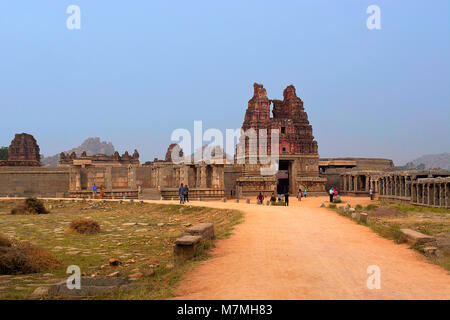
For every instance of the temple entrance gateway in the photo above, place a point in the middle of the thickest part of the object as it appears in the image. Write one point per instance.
(283, 177)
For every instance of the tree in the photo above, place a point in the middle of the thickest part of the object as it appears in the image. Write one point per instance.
(3, 153)
(421, 166)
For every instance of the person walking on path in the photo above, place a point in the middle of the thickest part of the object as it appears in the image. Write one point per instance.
(181, 193)
(371, 193)
(331, 194)
(305, 192)
(186, 194)
(260, 198)
(286, 199)
(299, 197)
(94, 191)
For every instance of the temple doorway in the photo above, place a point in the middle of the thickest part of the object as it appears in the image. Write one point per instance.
(283, 177)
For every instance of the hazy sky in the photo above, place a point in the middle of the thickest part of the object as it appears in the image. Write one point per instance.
(137, 70)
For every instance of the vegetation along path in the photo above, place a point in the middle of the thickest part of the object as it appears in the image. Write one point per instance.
(307, 252)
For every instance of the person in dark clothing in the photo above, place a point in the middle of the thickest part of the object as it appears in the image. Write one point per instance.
(331, 194)
(286, 199)
(273, 199)
(181, 193)
(186, 194)
(260, 198)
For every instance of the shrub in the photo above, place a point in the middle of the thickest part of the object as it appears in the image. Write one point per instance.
(5, 242)
(332, 206)
(371, 207)
(30, 206)
(278, 203)
(84, 226)
(358, 207)
(24, 257)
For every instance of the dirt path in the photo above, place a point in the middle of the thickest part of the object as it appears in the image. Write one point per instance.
(307, 252)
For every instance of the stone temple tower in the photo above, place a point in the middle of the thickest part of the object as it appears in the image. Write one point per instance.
(298, 151)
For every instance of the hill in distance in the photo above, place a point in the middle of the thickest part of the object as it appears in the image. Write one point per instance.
(90, 145)
(430, 161)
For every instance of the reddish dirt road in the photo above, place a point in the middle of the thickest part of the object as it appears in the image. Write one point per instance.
(307, 252)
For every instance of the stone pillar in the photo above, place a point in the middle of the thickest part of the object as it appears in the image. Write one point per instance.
(447, 194)
(345, 182)
(77, 172)
(177, 177)
(203, 176)
(132, 177)
(355, 183)
(367, 183)
(108, 178)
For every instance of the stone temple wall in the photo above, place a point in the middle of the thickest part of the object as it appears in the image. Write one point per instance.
(34, 182)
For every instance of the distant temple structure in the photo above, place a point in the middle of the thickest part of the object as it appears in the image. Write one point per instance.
(298, 166)
(215, 177)
(23, 151)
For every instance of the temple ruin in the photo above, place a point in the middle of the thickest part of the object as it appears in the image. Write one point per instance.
(23, 152)
(299, 167)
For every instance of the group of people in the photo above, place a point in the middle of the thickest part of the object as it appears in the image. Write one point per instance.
(333, 193)
(301, 194)
(183, 191)
(95, 189)
(273, 198)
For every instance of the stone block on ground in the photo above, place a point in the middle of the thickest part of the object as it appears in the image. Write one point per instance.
(417, 238)
(185, 247)
(205, 230)
(88, 287)
(363, 217)
(432, 251)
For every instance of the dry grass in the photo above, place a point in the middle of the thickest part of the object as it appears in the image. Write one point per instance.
(140, 235)
(83, 226)
(24, 257)
(30, 206)
(5, 242)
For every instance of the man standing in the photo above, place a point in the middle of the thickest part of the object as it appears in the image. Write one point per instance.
(94, 191)
(181, 190)
(286, 199)
(331, 194)
(371, 193)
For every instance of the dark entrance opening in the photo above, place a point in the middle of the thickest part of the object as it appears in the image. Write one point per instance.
(283, 177)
